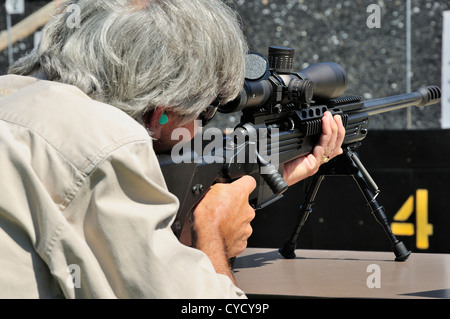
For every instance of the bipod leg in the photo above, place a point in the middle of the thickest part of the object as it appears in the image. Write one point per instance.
(368, 188)
(288, 249)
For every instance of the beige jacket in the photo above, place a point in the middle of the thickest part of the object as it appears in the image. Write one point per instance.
(84, 209)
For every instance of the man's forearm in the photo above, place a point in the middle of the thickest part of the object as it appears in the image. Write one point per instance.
(215, 250)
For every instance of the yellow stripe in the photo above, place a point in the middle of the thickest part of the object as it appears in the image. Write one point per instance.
(403, 229)
(423, 228)
(406, 210)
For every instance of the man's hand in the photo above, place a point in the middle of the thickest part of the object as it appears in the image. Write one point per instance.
(329, 146)
(221, 222)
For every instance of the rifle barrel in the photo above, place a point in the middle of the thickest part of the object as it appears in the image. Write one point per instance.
(422, 97)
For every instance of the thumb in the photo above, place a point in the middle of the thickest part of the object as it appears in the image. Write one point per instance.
(246, 182)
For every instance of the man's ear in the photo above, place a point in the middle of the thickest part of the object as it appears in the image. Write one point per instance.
(153, 123)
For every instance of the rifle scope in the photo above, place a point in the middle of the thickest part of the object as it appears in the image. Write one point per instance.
(273, 81)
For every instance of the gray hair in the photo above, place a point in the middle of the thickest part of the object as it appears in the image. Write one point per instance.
(141, 54)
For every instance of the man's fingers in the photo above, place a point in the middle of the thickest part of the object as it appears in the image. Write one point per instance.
(341, 133)
(329, 148)
(333, 134)
(326, 129)
(247, 183)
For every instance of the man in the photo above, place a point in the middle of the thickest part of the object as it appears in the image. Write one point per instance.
(84, 209)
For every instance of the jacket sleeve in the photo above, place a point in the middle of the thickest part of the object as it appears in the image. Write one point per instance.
(122, 243)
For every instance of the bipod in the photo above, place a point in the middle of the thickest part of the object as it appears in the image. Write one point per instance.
(346, 164)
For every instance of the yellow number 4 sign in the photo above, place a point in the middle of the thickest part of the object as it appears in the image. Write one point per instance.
(423, 228)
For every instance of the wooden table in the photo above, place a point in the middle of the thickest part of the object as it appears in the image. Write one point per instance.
(342, 274)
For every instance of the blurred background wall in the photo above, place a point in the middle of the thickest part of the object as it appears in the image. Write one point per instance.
(375, 58)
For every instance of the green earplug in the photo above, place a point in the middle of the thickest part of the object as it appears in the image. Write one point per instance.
(163, 119)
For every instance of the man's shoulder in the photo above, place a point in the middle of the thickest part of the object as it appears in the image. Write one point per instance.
(54, 99)
(73, 123)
